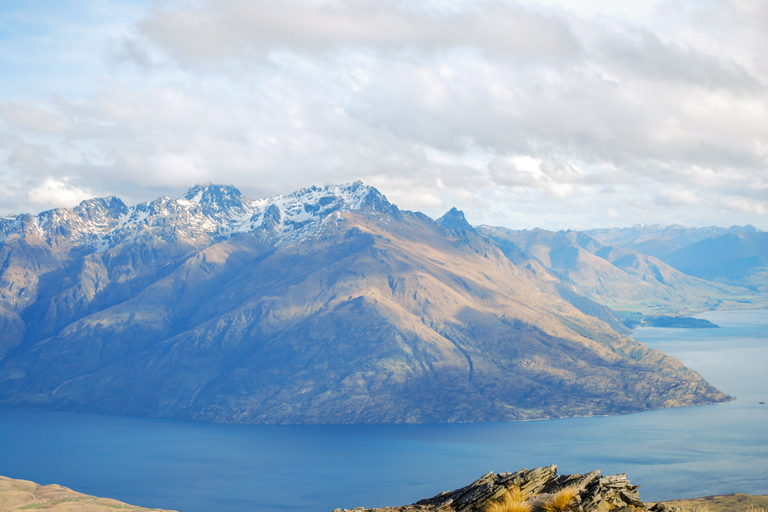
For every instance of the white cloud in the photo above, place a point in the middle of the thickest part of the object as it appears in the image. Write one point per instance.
(55, 192)
(678, 197)
(217, 29)
(33, 118)
(522, 114)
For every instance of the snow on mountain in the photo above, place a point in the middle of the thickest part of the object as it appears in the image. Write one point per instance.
(203, 213)
(8, 225)
(300, 214)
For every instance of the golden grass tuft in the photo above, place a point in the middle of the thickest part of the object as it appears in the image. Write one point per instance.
(753, 508)
(515, 494)
(560, 500)
(511, 501)
(512, 506)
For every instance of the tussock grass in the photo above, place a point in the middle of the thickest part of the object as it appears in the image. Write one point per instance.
(48, 504)
(515, 494)
(512, 506)
(753, 508)
(511, 501)
(560, 501)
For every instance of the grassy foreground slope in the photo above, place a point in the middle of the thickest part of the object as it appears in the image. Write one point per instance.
(725, 503)
(17, 495)
(25, 495)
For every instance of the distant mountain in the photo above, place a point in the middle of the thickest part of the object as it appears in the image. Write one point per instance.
(619, 278)
(736, 258)
(658, 241)
(454, 219)
(328, 305)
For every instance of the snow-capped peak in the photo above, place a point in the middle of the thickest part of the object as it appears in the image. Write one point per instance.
(218, 196)
(300, 213)
(202, 214)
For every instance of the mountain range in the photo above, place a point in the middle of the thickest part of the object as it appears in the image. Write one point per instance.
(620, 278)
(328, 305)
(735, 258)
(657, 240)
(737, 255)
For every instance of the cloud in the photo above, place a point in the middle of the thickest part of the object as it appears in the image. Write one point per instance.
(518, 113)
(216, 29)
(33, 118)
(643, 53)
(677, 197)
(57, 192)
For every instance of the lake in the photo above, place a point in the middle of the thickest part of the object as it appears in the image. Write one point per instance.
(197, 467)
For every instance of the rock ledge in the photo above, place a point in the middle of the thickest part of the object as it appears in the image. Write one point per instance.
(592, 493)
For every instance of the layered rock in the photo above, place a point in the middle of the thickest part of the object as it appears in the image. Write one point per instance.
(539, 488)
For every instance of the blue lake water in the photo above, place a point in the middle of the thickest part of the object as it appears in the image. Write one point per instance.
(196, 467)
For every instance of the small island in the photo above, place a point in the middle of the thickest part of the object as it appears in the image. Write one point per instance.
(677, 321)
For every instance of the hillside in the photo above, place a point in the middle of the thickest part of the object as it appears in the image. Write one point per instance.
(325, 306)
(738, 502)
(17, 495)
(737, 258)
(658, 241)
(619, 278)
(539, 484)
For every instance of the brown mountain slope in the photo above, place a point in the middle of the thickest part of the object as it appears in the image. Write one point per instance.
(17, 495)
(379, 316)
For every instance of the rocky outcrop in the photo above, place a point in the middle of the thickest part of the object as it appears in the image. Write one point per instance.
(538, 488)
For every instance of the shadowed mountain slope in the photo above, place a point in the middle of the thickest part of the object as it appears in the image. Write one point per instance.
(326, 306)
(736, 258)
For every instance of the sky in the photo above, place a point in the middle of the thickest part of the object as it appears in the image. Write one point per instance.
(555, 114)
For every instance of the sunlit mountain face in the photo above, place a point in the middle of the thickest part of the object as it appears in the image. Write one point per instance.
(328, 305)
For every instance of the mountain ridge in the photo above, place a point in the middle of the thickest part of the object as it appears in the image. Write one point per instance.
(214, 209)
(658, 240)
(733, 258)
(617, 277)
(324, 306)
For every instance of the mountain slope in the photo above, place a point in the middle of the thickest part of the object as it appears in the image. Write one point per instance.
(16, 495)
(616, 277)
(737, 258)
(658, 241)
(326, 306)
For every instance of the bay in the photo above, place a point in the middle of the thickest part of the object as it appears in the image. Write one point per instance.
(196, 467)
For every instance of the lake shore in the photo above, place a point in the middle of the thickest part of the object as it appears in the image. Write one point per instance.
(17, 495)
(197, 467)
